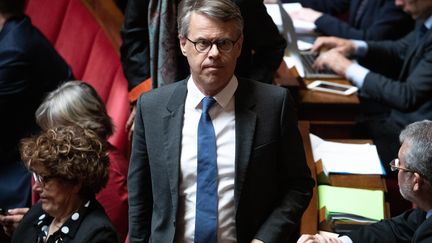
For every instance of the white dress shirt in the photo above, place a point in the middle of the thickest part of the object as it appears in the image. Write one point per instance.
(223, 118)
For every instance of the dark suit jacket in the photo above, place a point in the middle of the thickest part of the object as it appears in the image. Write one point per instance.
(411, 226)
(262, 51)
(380, 20)
(93, 226)
(29, 68)
(409, 96)
(272, 183)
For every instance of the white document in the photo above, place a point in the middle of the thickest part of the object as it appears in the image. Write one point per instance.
(346, 157)
(301, 27)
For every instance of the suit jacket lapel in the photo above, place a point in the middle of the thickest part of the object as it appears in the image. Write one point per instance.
(173, 124)
(413, 52)
(354, 6)
(245, 129)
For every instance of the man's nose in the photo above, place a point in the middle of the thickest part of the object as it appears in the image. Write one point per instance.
(214, 50)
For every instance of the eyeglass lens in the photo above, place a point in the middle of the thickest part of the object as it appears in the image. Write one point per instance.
(222, 45)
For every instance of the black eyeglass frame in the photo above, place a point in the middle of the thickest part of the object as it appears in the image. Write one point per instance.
(217, 43)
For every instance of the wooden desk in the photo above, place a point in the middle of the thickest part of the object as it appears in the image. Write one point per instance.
(371, 182)
(309, 221)
(330, 115)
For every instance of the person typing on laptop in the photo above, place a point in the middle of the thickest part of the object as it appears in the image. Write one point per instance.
(407, 95)
(367, 19)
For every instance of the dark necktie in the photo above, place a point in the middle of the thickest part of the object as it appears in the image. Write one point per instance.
(206, 216)
(359, 13)
(420, 32)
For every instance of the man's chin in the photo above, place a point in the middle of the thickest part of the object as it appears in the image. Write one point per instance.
(215, 72)
(212, 76)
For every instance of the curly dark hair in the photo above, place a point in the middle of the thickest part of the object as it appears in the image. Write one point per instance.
(70, 153)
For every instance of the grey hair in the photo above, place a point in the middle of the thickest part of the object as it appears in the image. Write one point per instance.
(75, 103)
(224, 10)
(418, 157)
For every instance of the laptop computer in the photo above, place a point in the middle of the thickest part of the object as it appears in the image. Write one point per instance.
(303, 60)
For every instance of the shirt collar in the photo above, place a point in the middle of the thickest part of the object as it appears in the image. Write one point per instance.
(222, 98)
(428, 213)
(428, 23)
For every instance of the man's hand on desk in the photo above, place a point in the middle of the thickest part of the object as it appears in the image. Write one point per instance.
(317, 239)
(343, 46)
(305, 14)
(333, 60)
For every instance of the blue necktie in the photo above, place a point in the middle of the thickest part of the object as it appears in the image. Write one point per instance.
(206, 216)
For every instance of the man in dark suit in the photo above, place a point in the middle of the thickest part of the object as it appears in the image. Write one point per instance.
(247, 144)
(29, 67)
(151, 55)
(408, 96)
(150, 36)
(414, 164)
(367, 19)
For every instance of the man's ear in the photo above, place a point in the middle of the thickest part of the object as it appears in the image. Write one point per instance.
(417, 182)
(182, 41)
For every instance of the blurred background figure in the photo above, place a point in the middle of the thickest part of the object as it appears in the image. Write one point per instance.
(403, 98)
(69, 165)
(407, 96)
(29, 67)
(77, 103)
(367, 19)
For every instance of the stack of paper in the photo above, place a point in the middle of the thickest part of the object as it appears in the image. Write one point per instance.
(346, 157)
(350, 208)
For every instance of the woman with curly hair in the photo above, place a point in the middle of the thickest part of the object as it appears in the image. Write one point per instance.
(69, 166)
(77, 103)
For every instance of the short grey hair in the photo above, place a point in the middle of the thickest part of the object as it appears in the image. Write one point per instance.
(418, 157)
(224, 10)
(75, 103)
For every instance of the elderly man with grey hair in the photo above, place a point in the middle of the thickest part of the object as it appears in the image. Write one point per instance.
(414, 166)
(216, 157)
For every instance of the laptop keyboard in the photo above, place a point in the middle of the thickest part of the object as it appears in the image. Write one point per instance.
(308, 60)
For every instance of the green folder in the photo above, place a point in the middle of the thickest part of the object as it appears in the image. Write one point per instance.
(362, 202)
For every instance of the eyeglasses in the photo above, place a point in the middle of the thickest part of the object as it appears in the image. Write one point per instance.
(204, 46)
(394, 166)
(41, 179)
